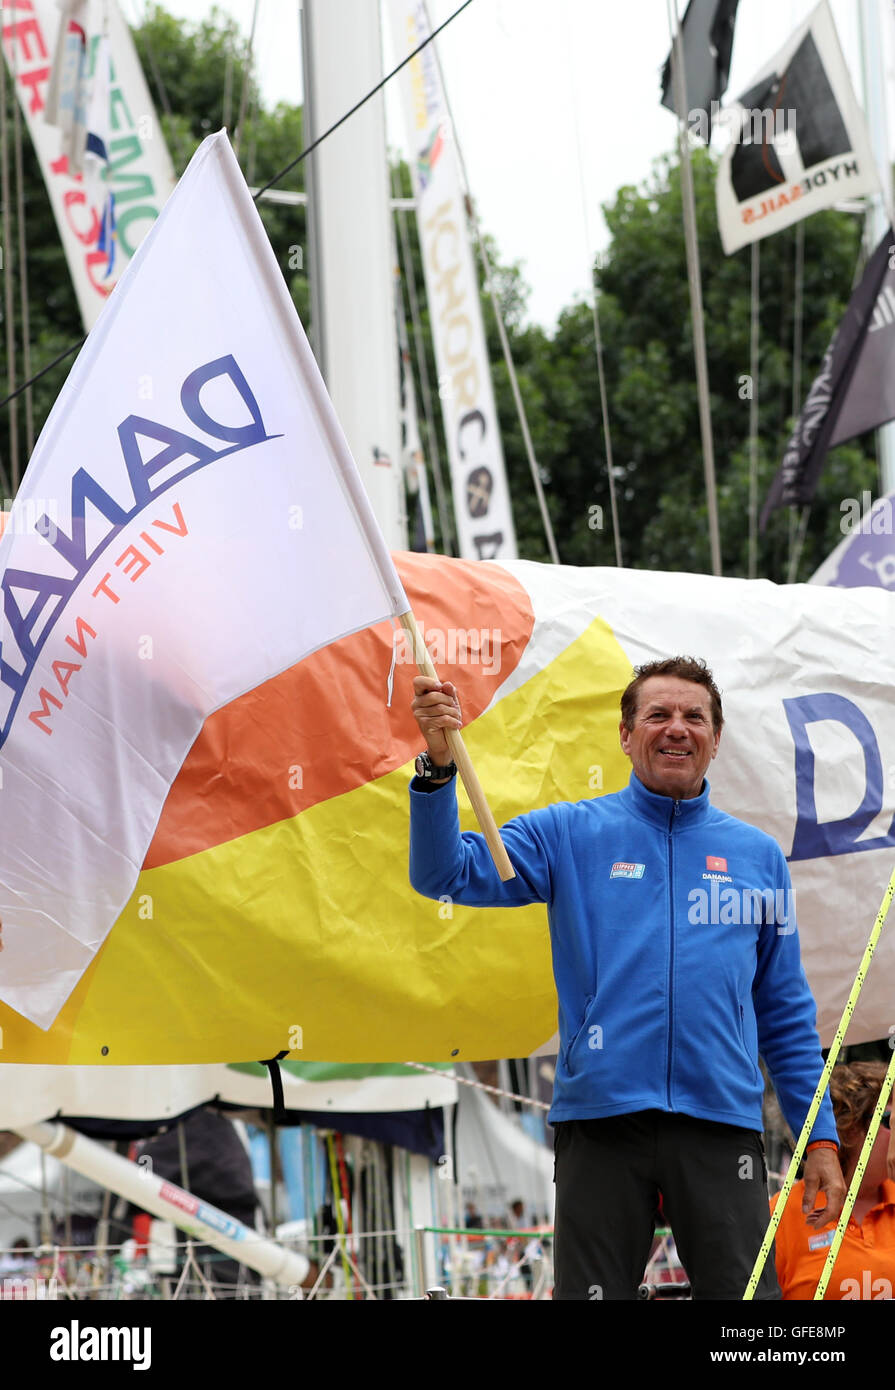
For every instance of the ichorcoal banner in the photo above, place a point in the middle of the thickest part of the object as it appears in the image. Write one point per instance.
(798, 139)
(199, 527)
(481, 496)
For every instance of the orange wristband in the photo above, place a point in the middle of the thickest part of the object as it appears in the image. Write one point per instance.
(822, 1144)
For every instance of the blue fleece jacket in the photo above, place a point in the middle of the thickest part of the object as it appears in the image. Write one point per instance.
(675, 950)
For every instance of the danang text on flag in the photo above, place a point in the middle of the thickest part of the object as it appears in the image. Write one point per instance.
(191, 524)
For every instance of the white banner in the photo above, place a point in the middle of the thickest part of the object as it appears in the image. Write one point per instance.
(807, 752)
(798, 139)
(140, 172)
(191, 524)
(481, 496)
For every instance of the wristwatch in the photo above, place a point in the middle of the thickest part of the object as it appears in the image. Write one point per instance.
(426, 769)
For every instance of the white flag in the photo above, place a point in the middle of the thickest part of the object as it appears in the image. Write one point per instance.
(191, 524)
(798, 139)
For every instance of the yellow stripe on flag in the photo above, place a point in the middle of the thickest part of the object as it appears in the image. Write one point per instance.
(308, 932)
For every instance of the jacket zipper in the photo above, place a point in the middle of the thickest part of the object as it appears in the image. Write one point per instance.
(675, 812)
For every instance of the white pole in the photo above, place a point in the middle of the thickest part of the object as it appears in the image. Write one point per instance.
(169, 1202)
(693, 275)
(874, 44)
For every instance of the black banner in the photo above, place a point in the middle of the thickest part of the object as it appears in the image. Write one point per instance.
(852, 392)
(707, 40)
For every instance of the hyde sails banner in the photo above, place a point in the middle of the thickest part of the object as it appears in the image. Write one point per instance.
(481, 494)
(191, 524)
(140, 174)
(798, 143)
(273, 911)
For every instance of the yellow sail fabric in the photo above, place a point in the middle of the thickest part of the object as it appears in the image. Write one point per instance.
(274, 911)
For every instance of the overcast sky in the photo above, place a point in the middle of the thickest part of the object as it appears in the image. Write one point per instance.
(556, 106)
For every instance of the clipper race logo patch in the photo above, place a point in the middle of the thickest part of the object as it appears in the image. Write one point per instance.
(622, 870)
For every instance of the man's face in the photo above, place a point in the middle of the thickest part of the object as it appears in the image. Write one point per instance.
(672, 741)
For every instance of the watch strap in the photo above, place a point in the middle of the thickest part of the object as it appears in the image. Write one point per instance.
(429, 771)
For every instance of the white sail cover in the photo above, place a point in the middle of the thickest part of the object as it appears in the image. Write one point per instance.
(799, 140)
(202, 477)
(31, 1093)
(481, 495)
(140, 171)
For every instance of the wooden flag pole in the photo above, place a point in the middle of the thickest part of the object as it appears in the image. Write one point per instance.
(461, 758)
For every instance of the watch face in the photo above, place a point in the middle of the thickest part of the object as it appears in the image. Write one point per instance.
(421, 766)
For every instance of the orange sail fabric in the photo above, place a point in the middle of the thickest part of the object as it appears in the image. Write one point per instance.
(274, 910)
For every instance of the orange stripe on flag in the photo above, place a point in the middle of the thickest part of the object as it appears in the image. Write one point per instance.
(323, 727)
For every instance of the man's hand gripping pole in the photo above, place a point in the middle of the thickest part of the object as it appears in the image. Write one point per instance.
(461, 758)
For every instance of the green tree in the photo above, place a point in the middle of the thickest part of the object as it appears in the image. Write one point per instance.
(648, 350)
(201, 79)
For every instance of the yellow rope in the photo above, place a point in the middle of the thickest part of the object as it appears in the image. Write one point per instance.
(855, 1184)
(337, 1208)
(821, 1087)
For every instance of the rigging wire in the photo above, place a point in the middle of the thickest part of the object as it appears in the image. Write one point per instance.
(796, 528)
(23, 263)
(695, 282)
(480, 1086)
(43, 371)
(160, 87)
(753, 412)
(246, 77)
(798, 520)
(595, 308)
(501, 330)
(75, 1206)
(11, 396)
(434, 452)
(358, 104)
(227, 101)
(8, 283)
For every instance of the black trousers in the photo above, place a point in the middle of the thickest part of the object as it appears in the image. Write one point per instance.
(609, 1174)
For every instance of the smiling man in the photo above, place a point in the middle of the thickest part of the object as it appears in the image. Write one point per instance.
(663, 1011)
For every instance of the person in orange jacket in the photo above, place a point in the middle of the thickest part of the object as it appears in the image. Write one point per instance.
(865, 1265)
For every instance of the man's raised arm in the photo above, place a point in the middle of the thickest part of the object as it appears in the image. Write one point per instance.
(447, 864)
